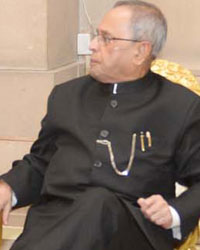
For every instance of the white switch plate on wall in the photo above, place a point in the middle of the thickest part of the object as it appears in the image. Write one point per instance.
(83, 44)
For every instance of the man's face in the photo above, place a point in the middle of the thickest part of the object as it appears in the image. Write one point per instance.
(111, 60)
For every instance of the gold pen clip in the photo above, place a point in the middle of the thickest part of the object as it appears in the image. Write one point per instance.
(148, 135)
(142, 141)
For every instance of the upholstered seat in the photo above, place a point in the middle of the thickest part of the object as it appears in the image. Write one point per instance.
(180, 75)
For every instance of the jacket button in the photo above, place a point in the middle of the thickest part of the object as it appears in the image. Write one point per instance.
(114, 103)
(104, 133)
(98, 164)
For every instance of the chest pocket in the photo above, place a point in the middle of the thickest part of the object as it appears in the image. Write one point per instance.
(146, 142)
(153, 150)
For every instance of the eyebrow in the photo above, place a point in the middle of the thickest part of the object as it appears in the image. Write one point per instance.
(104, 32)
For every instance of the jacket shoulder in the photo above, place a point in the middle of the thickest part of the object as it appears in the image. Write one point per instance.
(75, 83)
(176, 92)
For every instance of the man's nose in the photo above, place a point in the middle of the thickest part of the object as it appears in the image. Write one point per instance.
(94, 45)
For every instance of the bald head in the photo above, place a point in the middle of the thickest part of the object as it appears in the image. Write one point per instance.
(146, 23)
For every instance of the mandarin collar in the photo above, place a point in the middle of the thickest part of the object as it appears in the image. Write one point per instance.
(129, 86)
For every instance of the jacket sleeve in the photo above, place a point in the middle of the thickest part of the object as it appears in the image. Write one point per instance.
(26, 175)
(187, 161)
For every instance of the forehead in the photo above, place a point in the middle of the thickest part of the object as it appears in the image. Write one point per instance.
(117, 21)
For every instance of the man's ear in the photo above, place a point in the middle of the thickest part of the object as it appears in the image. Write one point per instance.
(143, 51)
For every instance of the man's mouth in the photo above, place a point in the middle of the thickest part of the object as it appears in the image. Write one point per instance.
(94, 61)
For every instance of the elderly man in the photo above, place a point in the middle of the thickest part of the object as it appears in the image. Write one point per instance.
(102, 173)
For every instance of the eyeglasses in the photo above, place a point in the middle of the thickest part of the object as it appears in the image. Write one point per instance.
(104, 39)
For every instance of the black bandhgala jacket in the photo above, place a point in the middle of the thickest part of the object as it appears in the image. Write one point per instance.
(66, 157)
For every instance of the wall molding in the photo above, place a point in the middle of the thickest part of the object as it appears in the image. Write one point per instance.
(17, 139)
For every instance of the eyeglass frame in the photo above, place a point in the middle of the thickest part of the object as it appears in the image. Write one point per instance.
(107, 40)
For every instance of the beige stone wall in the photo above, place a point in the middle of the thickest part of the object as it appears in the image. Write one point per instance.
(183, 45)
(37, 51)
(39, 34)
(23, 34)
(62, 32)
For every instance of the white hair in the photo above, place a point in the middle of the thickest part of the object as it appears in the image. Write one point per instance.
(148, 23)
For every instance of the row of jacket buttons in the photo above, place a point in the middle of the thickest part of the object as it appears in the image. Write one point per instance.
(105, 133)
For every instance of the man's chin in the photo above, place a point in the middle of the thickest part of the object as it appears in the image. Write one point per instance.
(95, 74)
(99, 76)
